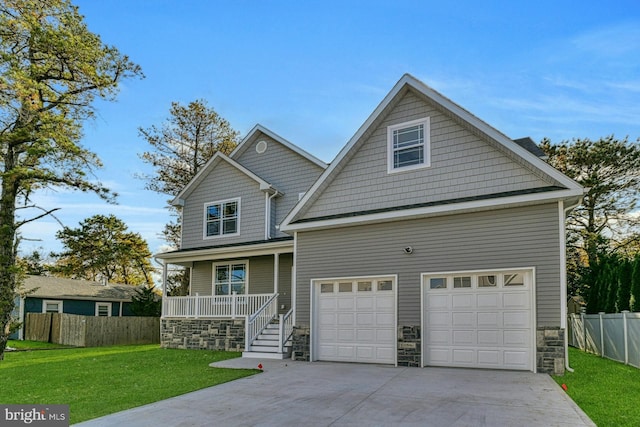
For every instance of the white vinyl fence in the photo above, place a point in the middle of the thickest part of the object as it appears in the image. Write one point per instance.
(614, 336)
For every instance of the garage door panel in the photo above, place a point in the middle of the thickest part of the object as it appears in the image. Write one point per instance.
(489, 320)
(516, 319)
(463, 319)
(384, 319)
(488, 324)
(519, 338)
(384, 335)
(440, 356)
(436, 302)
(345, 302)
(492, 300)
(358, 324)
(385, 303)
(328, 303)
(364, 319)
(489, 337)
(438, 337)
(489, 358)
(364, 303)
(463, 356)
(516, 300)
(462, 301)
(464, 337)
(438, 319)
(365, 335)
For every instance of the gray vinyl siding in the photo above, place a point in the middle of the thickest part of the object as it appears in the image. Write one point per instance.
(286, 170)
(261, 275)
(202, 278)
(462, 165)
(506, 238)
(224, 182)
(284, 285)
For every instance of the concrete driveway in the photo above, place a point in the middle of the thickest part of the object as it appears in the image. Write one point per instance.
(339, 394)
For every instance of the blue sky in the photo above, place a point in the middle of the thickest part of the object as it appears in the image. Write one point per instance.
(313, 71)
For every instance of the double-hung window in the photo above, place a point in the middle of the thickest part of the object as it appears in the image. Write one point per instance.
(103, 309)
(408, 145)
(230, 278)
(52, 306)
(222, 218)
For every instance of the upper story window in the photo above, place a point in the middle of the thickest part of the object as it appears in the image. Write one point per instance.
(408, 145)
(222, 218)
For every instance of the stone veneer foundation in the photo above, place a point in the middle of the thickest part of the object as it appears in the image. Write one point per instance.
(202, 334)
(550, 358)
(409, 345)
(550, 350)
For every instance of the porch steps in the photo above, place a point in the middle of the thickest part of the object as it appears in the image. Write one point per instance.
(266, 345)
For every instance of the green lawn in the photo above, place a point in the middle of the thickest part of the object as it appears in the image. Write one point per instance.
(100, 381)
(33, 345)
(607, 391)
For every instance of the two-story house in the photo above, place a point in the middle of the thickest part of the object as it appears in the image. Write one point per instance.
(432, 239)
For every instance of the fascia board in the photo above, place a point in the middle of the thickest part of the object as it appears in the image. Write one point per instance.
(239, 251)
(264, 185)
(435, 210)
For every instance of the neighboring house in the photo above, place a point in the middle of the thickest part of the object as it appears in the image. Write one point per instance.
(431, 240)
(44, 294)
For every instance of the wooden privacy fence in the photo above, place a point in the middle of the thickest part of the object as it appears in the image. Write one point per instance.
(614, 336)
(91, 331)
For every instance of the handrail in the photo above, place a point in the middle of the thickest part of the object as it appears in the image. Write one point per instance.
(286, 329)
(259, 320)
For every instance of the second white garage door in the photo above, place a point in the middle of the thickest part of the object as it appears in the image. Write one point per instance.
(356, 320)
(479, 319)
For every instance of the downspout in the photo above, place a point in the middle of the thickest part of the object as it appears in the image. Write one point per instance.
(563, 277)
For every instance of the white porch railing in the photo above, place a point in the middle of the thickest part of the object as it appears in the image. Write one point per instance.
(214, 305)
(259, 320)
(286, 329)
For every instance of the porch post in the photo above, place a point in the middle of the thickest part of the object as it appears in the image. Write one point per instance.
(164, 288)
(276, 272)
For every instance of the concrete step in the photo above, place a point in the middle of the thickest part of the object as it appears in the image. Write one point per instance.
(261, 355)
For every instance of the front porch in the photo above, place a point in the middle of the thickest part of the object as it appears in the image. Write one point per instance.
(247, 323)
(240, 298)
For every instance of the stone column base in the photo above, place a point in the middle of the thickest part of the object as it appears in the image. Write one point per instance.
(550, 350)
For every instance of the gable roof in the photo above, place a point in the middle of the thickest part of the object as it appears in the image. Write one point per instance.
(520, 150)
(61, 288)
(219, 157)
(530, 145)
(259, 128)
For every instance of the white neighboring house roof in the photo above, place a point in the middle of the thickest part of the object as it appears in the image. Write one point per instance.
(573, 189)
(219, 157)
(259, 128)
(62, 288)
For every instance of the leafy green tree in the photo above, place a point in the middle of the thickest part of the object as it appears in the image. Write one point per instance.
(635, 285)
(610, 169)
(102, 248)
(33, 264)
(146, 303)
(51, 70)
(180, 147)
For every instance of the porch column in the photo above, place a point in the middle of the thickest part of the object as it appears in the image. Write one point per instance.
(276, 272)
(164, 287)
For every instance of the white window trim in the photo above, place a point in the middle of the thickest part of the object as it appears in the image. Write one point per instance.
(105, 304)
(426, 121)
(204, 219)
(52, 301)
(246, 275)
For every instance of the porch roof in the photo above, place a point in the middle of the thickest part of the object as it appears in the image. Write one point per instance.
(244, 249)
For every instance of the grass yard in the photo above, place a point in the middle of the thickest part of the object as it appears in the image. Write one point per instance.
(607, 391)
(100, 381)
(34, 345)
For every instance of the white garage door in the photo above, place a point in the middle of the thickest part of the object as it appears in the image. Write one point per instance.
(355, 320)
(479, 320)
